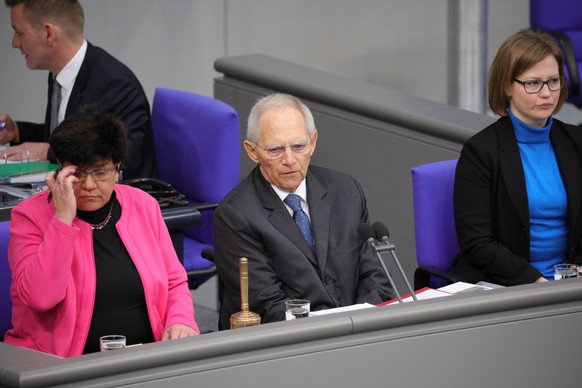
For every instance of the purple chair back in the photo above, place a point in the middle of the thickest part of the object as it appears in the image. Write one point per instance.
(563, 19)
(434, 224)
(197, 149)
(5, 281)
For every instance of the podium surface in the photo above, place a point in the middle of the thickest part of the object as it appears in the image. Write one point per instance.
(511, 337)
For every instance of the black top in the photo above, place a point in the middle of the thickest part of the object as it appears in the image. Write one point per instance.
(120, 306)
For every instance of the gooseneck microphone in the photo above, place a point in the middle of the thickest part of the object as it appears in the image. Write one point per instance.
(367, 235)
(381, 233)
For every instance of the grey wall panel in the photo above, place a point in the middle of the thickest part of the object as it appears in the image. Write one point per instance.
(399, 44)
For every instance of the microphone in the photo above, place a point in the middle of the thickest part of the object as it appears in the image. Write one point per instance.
(367, 235)
(381, 232)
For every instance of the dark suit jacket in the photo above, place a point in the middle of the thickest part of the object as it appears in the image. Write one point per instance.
(491, 205)
(253, 222)
(105, 81)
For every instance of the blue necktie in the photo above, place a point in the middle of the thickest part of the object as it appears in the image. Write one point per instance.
(301, 219)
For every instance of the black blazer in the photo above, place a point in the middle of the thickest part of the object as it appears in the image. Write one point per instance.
(491, 205)
(253, 222)
(105, 81)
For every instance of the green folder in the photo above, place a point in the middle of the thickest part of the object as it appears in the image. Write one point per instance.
(10, 170)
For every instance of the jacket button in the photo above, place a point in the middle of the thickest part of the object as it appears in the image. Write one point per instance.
(328, 280)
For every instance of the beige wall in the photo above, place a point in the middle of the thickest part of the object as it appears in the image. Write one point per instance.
(401, 44)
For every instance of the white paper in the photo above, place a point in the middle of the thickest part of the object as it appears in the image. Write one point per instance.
(353, 307)
(458, 287)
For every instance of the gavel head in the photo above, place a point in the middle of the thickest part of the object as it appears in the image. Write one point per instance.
(244, 319)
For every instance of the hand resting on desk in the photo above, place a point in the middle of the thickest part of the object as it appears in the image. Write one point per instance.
(178, 330)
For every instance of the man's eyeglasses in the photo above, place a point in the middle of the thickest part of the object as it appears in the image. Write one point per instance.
(535, 86)
(98, 175)
(276, 151)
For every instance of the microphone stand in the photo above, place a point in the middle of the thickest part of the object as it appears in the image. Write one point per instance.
(366, 233)
(377, 250)
(388, 247)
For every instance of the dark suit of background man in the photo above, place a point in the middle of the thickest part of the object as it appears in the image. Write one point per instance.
(49, 33)
(254, 222)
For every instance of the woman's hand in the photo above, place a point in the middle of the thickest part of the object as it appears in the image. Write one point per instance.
(178, 330)
(63, 194)
(541, 280)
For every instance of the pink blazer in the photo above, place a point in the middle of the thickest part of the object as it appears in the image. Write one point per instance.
(53, 273)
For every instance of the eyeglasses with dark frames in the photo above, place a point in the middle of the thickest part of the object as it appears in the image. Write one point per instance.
(535, 86)
(277, 150)
(98, 175)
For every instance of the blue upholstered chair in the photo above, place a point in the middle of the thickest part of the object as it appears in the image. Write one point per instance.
(5, 275)
(434, 224)
(198, 152)
(563, 19)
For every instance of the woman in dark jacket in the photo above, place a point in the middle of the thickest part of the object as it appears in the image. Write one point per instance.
(517, 193)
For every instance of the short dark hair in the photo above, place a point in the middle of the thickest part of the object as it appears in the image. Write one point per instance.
(517, 54)
(68, 13)
(88, 137)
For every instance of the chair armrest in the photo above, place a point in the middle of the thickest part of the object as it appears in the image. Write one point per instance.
(201, 206)
(208, 254)
(422, 276)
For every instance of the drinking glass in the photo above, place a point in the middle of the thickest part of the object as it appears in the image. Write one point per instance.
(565, 271)
(296, 308)
(111, 342)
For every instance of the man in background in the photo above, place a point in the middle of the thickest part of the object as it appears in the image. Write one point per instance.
(49, 33)
(297, 224)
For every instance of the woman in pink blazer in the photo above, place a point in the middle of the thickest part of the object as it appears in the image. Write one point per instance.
(91, 257)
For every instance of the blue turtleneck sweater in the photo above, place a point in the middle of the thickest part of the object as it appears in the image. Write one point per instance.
(546, 194)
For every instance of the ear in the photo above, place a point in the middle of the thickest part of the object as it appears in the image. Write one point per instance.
(49, 31)
(313, 142)
(508, 91)
(251, 151)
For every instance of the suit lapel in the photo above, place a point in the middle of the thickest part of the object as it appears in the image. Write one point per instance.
(511, 170)
(280, 217)
(565, 155)
(81, 80)
(320, 213)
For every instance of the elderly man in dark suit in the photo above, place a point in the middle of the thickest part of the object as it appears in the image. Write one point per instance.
(309, 249)
(49, 33)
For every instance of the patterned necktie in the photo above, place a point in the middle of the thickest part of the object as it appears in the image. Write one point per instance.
(301, 219)
(55, 102)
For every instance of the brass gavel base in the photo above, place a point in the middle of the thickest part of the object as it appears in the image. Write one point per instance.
(244, 319)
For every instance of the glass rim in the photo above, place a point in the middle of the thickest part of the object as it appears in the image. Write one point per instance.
(297, 301)
(566, 265)
(112, 337)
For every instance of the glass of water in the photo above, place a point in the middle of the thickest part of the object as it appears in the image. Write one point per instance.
(565, 271)
(296, 308)
(111, 342)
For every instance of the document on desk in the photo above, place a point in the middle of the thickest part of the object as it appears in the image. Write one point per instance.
(352, 307)
(462, 287)
(422, 294)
